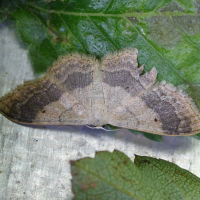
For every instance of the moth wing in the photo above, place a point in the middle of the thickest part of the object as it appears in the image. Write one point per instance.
(122, 80)
(162, 110)
(63, 96)
(133, 101)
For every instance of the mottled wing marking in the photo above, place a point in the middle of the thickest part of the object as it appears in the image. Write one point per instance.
(66, 111)
(75, 75)
(162, 110)
(122, 80)
(26, 101)
(133, 101)
(63, 96)
(176, 110)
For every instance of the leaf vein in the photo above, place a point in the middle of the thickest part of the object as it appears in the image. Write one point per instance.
(109, 41)
(73, 34)
(157, 7)
(107, 6)
(133, 14)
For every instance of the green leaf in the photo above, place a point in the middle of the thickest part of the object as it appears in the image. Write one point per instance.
(9, 6)
(153, 137)
(198, 135)
(115, 176)
(112, 127)
(167, 34)
(39, 56)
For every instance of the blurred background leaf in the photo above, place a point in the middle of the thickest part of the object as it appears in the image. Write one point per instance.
(9, 6)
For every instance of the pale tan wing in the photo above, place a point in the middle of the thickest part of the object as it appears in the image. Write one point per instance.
(122, 80)
(63, 96)
(162, 110)
(134, 102)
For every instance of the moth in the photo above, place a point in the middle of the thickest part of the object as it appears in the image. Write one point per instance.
(80, 90)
